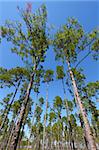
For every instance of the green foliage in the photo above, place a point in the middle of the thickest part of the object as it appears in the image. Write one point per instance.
(16, 107)
(18, 72)
(40, 127)
(52, 116)
(91, 40)
(34, 129)
(60, 72)
(32, 45)
(54, 130)
(6, 100)
(38, 75)
(91, 89)
(58, 104)
(67, 39)
(69, 103)
(79, 131)
(94, 36)
(64, 119)
(5, 80)
(2, 70)
(38, 113)
(10, 77)
(73, 120)
(41, 101)
(79, 77)
(70, 39)
(48, 76)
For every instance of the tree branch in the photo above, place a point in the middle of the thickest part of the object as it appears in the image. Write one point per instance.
(83, 59)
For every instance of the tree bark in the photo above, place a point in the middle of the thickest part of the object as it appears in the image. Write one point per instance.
(67, 112)
(9, 107)
(45, 118)
(31, 127)
(82, 125)
(89, 136)
(8, 142)
(22, 113)
(21, 136)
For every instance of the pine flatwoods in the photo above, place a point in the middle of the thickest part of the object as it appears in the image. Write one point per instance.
(33, 123)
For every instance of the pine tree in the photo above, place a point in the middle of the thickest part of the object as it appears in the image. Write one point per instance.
(48, 77)
(31, 47)
(66, 44)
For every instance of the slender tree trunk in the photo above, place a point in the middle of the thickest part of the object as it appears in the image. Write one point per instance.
(38, 142)
(9, 106)
(23, 126)
(36, 146)
(71, 137)
(73, 143)
(10, 137)
(62, 136)
(51, 137)
(89, 136)
(13, 129)
(82, 125)
(45, 118)
(67, 112)
(31, 127)
(10, 132)
(3, 140)
(58, 139)
(67, 108)
(22, 113)
(20, 137)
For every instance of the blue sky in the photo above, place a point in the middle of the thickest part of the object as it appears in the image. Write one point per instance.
(87, 13)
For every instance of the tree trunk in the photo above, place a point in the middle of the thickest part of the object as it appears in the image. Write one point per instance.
(21, 135)
(51, 138)
(3, 138)
(71, 140)
(73, 144)
(82, 125)
(45, 118)
(22, 113)
(67, 110)
(31, 127)
(89, 136)
(9, 106)
(62, 144)
(10, 137)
